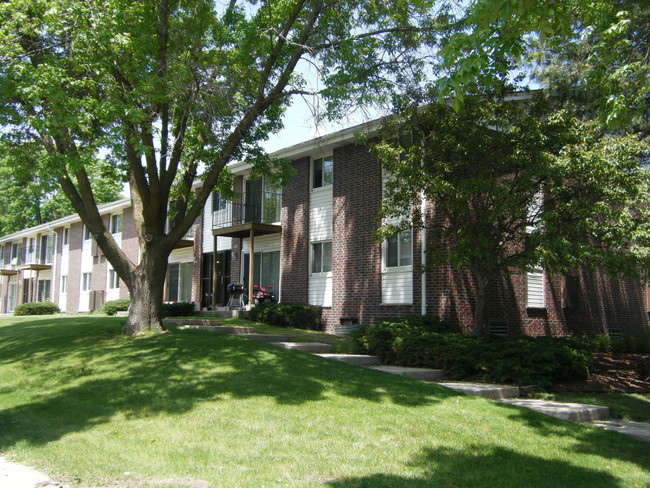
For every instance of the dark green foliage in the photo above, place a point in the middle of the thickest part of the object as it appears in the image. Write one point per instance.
(618, 345)
(114, 306)
(180, 309)
(36, 308)
(295, 315)
(526, 360)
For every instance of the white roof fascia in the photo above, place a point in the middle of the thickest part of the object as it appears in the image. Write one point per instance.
(104, 209)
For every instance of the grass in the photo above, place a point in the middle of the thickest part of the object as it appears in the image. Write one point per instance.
(94, 408)
(625, 406)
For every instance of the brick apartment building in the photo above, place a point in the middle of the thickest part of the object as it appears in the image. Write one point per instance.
(312, 241)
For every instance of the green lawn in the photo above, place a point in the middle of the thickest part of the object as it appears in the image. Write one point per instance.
(96, 409)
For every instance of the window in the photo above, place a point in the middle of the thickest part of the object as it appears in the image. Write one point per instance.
(113, 280)
(64, 284)
(66, 236)
(47, 249)
(399, 250)
(179, 282)
(322, 172)
(44, 290)
(321, 257)
(535, 290)
(218, 203)
(87, 235)
(86, 279)
(116, 224)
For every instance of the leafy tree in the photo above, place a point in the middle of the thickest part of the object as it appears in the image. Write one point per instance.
(514, 188)
(598, 48)
(603, 65)
(29, 197)
(175, 90)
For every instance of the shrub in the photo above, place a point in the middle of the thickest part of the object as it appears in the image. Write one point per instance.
(114, 306)
(295, 315)
(179, 309)
(525, 360)
(36, 308)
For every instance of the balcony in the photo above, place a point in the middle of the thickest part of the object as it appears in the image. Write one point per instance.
(254, 213)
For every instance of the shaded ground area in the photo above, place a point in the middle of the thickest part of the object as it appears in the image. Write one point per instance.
(629, 373)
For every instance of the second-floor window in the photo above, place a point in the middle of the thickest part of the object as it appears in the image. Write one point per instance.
(87, 235)
(322, 172)
(66, 236)
(399, 250)
(47, 249)
(116, 224)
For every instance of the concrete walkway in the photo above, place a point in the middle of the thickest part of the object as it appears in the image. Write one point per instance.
(13, 475)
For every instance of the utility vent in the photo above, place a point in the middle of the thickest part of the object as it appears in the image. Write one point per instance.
(498, 328)
(614, 332)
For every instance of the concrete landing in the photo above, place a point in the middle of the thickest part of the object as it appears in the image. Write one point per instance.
(423, 374)
(635, 429)
(356, 359)
(493, 392)
(305, 346)
(567, 411)
(222, 329)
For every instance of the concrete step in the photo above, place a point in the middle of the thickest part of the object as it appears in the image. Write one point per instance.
(635, 429)
(305, 346)
(356, 359)
(266, 337)
(493, 392)
(222, 329)
(567, 411)
(423, 374)
(212, 322)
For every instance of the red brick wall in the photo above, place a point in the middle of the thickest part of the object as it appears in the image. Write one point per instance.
(294, 253)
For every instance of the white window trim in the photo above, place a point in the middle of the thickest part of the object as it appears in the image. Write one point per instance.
(111, 282)
(395, 269)
(322, 274)
(323, 187)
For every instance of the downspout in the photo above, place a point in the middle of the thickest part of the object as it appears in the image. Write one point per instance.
(55, 283)
(423, 237)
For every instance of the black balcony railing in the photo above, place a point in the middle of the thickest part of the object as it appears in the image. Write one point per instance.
(256, 207)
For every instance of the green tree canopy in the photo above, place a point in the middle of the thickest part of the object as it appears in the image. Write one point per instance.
(176, 90)
(514, 187)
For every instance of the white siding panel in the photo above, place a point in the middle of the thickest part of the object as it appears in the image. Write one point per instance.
(320, 214)
(266, 243)
(397, 287)
(182, 255)
(535, 290)
(320, 291)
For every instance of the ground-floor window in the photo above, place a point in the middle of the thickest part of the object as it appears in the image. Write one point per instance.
(44, 289)
(113, 279)
(179, 282)
(86, 281)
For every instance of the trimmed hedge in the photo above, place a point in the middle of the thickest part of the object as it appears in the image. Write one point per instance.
(179, 309)
(114, 306)
(294, 315)
(36, 308)
(523, 361)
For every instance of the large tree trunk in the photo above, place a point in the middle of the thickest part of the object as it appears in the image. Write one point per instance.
(146, 290)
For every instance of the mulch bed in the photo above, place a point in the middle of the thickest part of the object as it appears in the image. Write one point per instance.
(614, 373)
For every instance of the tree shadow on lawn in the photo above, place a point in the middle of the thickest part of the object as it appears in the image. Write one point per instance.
(91, 376)
(483, 465)
(589, 439)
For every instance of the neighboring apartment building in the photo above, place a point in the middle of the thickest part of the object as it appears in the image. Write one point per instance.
(313, 241)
